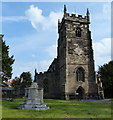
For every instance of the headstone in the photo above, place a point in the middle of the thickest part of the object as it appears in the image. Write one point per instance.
(34, 99)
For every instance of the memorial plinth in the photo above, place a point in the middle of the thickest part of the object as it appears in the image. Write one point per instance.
(34, 99)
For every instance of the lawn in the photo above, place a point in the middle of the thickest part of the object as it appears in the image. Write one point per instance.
(58, 109)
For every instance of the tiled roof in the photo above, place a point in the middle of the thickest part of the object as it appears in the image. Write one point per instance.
(7, 88)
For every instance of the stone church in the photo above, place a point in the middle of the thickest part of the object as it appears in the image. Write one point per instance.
(71, 75)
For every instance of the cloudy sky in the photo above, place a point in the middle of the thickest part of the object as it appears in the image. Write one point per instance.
(30, 30)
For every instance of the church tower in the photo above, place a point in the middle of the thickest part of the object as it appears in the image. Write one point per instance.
(71, 75)
(75, 57)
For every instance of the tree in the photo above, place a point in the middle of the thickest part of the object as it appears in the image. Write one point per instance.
(22, 82)
(26, 77)
(7, 61)
(106, 72)
(25, 81)
(16, 82)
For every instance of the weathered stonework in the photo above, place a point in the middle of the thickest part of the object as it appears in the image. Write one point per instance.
(71, 75)
(34, 99)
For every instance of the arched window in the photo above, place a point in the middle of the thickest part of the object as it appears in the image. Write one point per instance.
(80, 74)
(78, 32)
(45, 86)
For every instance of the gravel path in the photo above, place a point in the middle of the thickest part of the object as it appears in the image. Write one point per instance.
(106, 101)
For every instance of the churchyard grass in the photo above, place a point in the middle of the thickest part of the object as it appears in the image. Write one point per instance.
(111, 100)
(58, 109)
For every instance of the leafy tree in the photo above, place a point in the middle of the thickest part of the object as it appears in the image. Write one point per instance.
(25, 81)
(22, 82)
(16, 82)
(26, 77)
(7, 61)
(106, 72)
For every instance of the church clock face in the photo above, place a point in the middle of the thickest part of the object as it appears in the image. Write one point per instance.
(78, 51)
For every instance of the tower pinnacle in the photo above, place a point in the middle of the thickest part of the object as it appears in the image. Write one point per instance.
(35, 76)
(65, 10)
(87, 12)
(58, 21)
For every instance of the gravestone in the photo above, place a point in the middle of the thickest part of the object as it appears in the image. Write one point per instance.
(33, 98)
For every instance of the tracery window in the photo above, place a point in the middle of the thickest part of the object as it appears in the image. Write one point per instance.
(80, 74)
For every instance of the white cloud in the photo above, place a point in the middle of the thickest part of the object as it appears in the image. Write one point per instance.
(39, 21)
(33, 56)
(13, 18)
(52, 51)
(34, 15)
(102, 51)
(107, 9)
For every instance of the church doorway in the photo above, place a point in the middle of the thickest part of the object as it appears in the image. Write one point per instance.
(80, 93)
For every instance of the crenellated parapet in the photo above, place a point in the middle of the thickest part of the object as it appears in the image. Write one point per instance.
(74, 18)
